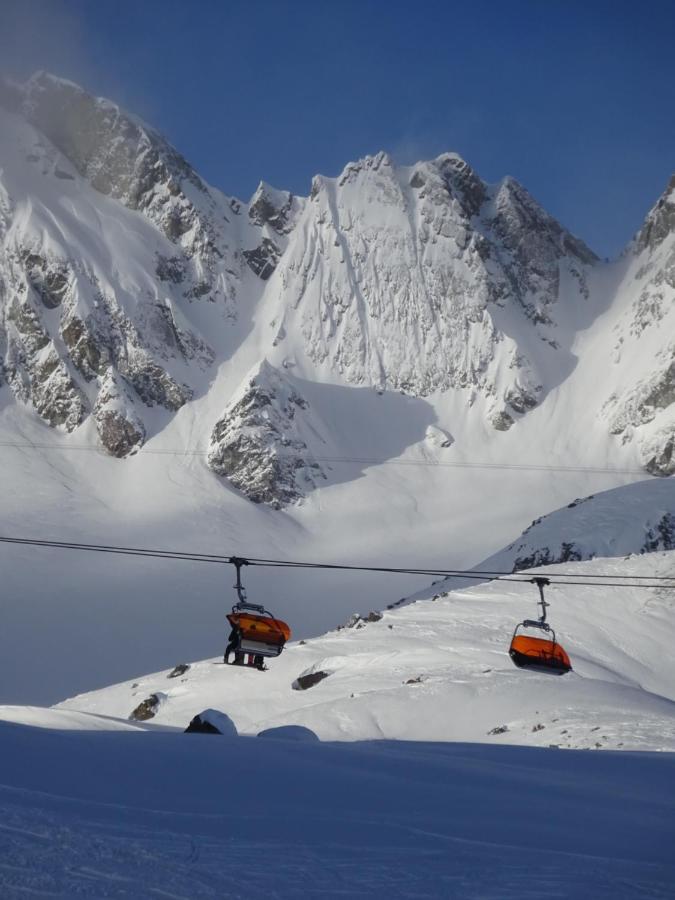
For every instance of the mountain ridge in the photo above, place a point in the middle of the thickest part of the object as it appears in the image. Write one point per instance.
(127, 284)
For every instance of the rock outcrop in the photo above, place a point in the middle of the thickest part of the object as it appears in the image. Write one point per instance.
(261, 442)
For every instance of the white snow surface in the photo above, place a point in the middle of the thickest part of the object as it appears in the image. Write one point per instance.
(93, 814)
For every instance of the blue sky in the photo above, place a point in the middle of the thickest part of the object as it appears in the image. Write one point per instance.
(574, 99)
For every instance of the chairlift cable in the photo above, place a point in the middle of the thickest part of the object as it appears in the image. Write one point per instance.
(354, 460)
(560, 578)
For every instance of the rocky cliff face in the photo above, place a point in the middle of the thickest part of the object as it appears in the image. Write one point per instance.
(262, 441)
(402, 278)
(642, 407)
(91, 286)
(123, 158)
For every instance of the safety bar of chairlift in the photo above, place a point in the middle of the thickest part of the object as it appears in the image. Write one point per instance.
(244, 604)
(532, 623)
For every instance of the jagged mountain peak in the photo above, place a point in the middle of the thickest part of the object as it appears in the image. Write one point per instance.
(449, 177)
(273, 207)
(122, 157)
(660, 221)
(399, 276)
(103, 141)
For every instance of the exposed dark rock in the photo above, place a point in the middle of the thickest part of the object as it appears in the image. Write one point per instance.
(35, 371)
(259, 443)
(499, 729)
(662, 536)
(663, 462)
(49, 279)
(147, 709)
(117, 434)
(572, 505)
(263, 259)
(180, 669)
(358, 621)
(463, 182)
(212, 721)
(304, 682)
(24, 318)
(171, 268)
(119, 428)
(661, 220)
(156, 387)
(546, 557)
(55, 396)
(271, 207)
(91, 357)
(196, 726)
(522, 399)
(502, 421)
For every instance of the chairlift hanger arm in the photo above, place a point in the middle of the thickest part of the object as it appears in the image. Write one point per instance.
(242, 603)
(541, 583)
(238, 562)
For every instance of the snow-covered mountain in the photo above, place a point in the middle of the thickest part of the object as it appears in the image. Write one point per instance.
(122, 273)
(407, 365)
(623, 522)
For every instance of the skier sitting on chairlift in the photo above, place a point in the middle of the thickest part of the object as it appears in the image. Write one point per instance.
(233, 643)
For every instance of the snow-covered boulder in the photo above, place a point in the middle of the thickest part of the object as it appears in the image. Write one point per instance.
(296, 733)
(212, 721)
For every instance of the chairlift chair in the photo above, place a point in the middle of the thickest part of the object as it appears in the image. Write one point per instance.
(258, 633)
(539, 654)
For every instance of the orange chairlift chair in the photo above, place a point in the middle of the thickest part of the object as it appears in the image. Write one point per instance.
(256, 634)
(541, 654)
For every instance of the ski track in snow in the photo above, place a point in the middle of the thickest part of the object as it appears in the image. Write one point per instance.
(197, 816)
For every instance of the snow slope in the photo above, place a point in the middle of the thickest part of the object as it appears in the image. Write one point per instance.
(439, 670)
(94, 814)
(634, 519)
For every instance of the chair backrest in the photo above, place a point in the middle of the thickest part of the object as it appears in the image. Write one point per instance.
(540, 651)
(260, 628)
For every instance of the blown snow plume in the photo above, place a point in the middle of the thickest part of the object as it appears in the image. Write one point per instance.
(92, 272)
